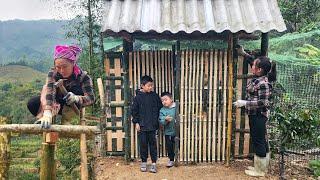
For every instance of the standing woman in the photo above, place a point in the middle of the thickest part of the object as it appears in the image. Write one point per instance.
(77, 82)
(257, 106)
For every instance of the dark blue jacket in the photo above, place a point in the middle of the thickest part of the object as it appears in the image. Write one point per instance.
(145, 110)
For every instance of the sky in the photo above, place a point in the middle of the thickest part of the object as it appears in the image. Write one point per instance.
(33, 10)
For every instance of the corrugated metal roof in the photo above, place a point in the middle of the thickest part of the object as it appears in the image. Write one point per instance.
(192, 15)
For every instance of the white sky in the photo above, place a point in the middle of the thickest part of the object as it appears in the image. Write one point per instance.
(33, 10)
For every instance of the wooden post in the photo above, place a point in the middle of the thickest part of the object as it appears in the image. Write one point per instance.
(230, 95)
(83, 149)
(127, 47)
(176, 59)
(4, 151)
(47, 163)
(264, 44)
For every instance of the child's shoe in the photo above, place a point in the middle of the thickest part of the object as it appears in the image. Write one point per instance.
(170, 164)
(153, 168)
(143, 167)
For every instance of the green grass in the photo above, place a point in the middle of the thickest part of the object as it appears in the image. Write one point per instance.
(16, 73)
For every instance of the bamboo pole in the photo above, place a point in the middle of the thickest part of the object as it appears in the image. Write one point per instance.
(215, 92)
(36, 129)
(193, 106)
(201, 135)
(4, 151)
(219, 105)
(225, 63)
(188, 102)
(182, 108)
(230, 62)
(210, 117)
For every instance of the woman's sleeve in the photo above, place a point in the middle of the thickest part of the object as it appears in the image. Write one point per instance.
(88, 94)
(50, 91)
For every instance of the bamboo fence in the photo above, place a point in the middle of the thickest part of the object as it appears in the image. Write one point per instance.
(204, 92)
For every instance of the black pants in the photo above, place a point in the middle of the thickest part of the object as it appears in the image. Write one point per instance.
(34, 105)
(258, 132)
(170, 146)
(148, 142)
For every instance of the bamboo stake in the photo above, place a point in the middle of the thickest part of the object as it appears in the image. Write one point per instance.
(197, 115)
(220, 105)
(225, 63)
(189, 101)
(201, 135)
(210, 117)
(230, 62)
(193, 106)
(182, 105)
(215, 92)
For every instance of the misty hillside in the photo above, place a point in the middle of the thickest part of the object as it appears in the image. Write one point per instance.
(30, 40)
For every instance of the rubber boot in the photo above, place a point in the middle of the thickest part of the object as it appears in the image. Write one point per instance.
(254, 160)
(260, 167)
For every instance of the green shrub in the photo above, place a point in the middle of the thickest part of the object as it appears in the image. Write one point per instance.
(315, 166)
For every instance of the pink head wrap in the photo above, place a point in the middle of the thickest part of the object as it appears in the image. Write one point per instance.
(68, 52)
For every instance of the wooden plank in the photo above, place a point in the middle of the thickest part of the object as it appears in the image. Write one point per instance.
(224, 124)
(109, 138)
(117, 70)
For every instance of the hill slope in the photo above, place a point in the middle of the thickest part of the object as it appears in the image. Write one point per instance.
(16, 73)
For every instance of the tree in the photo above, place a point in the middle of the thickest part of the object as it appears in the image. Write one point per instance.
(299, 13)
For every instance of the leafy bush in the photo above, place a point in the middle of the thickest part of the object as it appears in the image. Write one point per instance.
(297, 126)
(315, 166)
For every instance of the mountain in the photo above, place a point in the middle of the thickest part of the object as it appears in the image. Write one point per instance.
(30, 40)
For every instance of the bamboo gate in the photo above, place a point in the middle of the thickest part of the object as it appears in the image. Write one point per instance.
(204, 81)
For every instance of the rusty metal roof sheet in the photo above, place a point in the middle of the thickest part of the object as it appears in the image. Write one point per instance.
(192, 15)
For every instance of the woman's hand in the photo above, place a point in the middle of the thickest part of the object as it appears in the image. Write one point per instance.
(240, 103)
(71, 98)
(46, 119)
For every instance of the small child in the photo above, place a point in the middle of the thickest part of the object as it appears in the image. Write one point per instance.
(167, 119)
(145, 112)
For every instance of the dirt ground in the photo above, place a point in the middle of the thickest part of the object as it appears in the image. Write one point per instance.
(116, 168)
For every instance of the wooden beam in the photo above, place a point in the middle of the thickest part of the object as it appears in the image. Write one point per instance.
(36, 129)
(264, 44)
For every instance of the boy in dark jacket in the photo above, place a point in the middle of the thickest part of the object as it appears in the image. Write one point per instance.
(145, 112)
